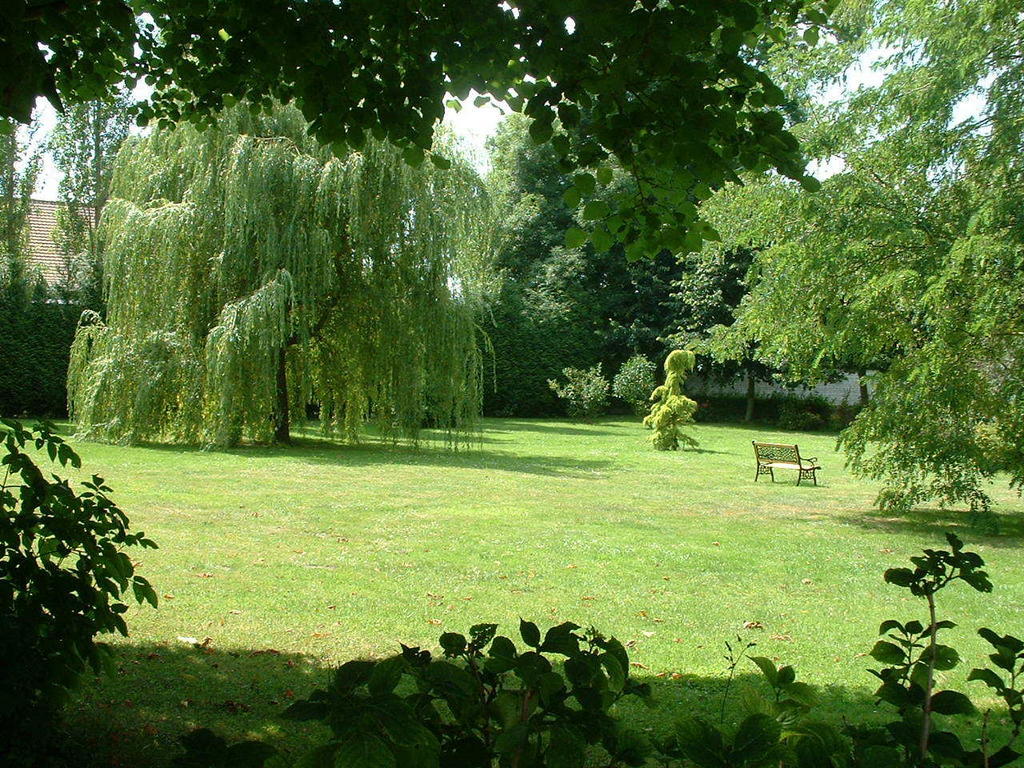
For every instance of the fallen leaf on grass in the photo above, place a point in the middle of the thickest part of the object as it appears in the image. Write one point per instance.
(205, 575)
(588, 597)
(235, 612)
(753, 625)
(168, 596)
(647, 634)
(435, 622)
(783, 638)
(638, 665)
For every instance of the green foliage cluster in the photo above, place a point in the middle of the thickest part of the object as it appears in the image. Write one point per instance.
(634, 382)
(36, 330)
(84, 145)
(63, 580)
(488, 704)
(685, 120)
(705, 299)
(561, 307)
(250, 273)
(585, 391)
(36, 322)
(671, 410)
(908, 261)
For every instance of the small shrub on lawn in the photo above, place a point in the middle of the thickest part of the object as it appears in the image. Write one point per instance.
(671, 410)
(63, 580)
(634, 382)
(585, 391)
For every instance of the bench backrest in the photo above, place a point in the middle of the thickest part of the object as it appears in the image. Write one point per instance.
(766, 452)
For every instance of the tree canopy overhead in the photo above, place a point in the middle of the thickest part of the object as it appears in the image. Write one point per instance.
(250, 274)
(672, 88)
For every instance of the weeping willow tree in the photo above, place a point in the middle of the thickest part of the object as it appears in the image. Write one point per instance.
(250, 275)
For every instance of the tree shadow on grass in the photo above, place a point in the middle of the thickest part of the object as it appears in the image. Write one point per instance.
(159, 692)
(558, 428)
(136, 715)
(932, 524)
(376, 453)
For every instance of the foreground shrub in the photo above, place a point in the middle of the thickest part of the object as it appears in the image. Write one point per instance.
(585, 391)
(671, 410)
(488, 704)
(63, 578)
(634, 382)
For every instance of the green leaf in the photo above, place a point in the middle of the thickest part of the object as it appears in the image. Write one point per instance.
(596, 209)
(756, 736)
(887, 653)
(413, 156)
(540, 131)
(585, 183)
(440, 161)
(811, 36)
(802, 693)
(601, 239)
(574, 238)
(386, 675)
(527, 629)
(453, 643)
(952, 703)
(989, 677)
(572, 197)
(604, 175)
(767, 668)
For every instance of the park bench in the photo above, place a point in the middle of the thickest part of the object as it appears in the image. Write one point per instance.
(772, 456)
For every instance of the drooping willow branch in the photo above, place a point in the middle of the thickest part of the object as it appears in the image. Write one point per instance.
(251, 276)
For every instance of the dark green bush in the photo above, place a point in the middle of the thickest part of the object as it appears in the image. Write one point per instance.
(804, 414)
(36, 330)
(485, 703)
(584, 392)
(63, 580)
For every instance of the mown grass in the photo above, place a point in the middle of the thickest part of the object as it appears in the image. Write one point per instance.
(288, 560)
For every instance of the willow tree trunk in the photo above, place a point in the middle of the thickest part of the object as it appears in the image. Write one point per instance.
(282, 418)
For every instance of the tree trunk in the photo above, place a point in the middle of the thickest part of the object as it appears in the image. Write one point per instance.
(863, 387)
(749, 415)
(282, 422)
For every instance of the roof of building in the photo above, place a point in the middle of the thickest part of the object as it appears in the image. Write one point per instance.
(43, 251)
(42, 247)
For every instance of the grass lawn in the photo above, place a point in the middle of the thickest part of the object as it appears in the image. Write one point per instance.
(290, 560)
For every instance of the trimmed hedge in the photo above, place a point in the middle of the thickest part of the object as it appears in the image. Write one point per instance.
(36, 331)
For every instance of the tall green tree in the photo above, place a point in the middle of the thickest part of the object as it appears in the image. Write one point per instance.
(561, 307)
(20, 164)
(912, 253)
(671, 88)
(707, 296)
(35, 332)
(250, 273)
(84, 145)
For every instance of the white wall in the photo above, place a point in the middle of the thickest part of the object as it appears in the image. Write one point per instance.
(836, 392)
